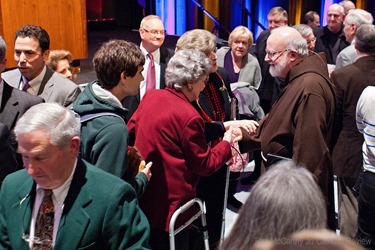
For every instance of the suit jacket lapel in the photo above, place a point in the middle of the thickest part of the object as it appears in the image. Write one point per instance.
(10, 113)
(74, 217)
(46, 78)
(26, 195)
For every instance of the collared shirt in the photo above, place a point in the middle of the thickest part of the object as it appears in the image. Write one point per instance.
(58, 197)
(34, 83)
(156, 55)
(365, 120)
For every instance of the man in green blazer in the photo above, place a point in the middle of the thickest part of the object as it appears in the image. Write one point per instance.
(91, 208)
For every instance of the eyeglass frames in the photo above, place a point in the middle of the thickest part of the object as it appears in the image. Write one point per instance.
(271, 55)
(155, 32)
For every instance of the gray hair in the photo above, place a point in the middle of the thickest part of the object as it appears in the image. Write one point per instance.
(296, 44)
(365, 39)
(278, 11)
(3, 48)
(285, 199)
(303, 29)
(148, 18)
(359, 17)
(61, 123)
(339, 7)
(186, 66)
(197, 39)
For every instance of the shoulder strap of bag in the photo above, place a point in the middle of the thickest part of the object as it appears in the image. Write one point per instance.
(89, 117)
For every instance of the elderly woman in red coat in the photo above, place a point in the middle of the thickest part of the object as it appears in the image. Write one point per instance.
(168, 130)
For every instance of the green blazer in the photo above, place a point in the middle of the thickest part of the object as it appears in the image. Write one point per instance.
(100, 212)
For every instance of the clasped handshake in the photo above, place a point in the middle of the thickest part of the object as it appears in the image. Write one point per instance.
(233, 129)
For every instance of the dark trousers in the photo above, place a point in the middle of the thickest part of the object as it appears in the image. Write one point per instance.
(366, 211)
(211, 190)
(159, 240)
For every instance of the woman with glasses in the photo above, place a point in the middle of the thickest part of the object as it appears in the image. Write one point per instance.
(307, 33)
(174, 141)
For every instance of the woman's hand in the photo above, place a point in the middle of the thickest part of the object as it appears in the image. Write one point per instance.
(228, 136)
(233, 135)
(237, 133)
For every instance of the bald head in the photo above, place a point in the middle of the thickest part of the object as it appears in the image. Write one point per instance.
(285, 31)
(285, 35)
(347, 5)
(335, 18)
(285, 48)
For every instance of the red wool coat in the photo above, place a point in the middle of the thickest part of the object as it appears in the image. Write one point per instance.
(168, 131)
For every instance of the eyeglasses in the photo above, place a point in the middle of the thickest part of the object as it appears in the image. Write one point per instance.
(26, 237)
(155, 32)
(272, 54)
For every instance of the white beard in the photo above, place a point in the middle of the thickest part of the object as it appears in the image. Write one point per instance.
(277, 70)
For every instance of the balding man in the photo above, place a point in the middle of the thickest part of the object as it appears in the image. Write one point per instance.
(348, 5)
(330, 38)
(152, 33)
(299, 124)
(352, 22)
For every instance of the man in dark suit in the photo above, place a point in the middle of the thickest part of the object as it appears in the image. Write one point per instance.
(269, 87)
(8, 163)
(152, 34)
(88, 208)
(349, 83)
(330, 39)
(31, 50)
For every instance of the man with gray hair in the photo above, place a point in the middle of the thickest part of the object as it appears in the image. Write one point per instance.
(152, 34)
(347, 159)
(299, 124)
(352, 22)
(60, 201)
(330, 38)
(307, 33)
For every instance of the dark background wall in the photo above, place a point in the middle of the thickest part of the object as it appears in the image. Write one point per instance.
(219, 16)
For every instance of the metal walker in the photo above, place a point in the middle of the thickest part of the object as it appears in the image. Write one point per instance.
(182, 209)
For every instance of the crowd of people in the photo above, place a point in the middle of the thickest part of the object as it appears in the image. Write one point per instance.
(298, 102)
